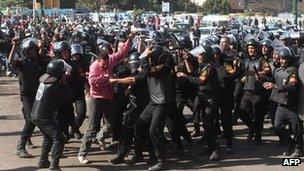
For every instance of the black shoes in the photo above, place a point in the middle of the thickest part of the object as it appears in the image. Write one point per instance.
(117, 160)
(215, 156)
(43, 164)
(135, 159)
(158, 166)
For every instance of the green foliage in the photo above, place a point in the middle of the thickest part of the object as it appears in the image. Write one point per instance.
(148, 5)
(215, 7)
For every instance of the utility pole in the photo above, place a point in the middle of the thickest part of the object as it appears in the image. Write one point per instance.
(295, 11)
(34, 15)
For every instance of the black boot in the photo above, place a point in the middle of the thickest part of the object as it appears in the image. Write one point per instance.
(157, 166)
(20, 150)
(118, 159)
(43, 164)
(160, 165)
(215, 155)
(54, 166)
(289, 148)
(257, 139)
(136, 159)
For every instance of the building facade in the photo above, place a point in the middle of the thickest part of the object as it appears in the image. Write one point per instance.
(61, 4)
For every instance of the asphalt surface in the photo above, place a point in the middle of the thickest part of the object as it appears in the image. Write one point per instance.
(246, 157)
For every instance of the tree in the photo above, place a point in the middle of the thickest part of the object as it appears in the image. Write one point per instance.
(215, 7)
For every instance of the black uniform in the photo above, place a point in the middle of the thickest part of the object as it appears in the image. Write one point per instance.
(140, 99)
(252, 99)
(227, 74)
(121, 70)
(207, 100)
(154, 115)
(42, 115)
(29, 71)
(286, 97)
(77, 84)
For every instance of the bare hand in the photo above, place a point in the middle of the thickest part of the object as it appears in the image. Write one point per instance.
(112, 81)
(181, 74)
(148, 50)
(16, 40)
(132, 35)
(269, 85)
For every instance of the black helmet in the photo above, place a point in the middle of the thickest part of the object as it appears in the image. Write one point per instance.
(157, 35)
(85, 36)
(252, 42)
(134, 61)
(76, 49)
(55, 68)
(208, 53)
(122, 36)
(157, 51)
(214, 39)
(285, 53)
(185, 42)
(106, 47)
(28, 43)
(217, 49)
(60, 47)
(266, 42)
(206, 42)
(134, 56)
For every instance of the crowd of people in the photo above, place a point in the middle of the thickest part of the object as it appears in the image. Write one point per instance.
(137, 87)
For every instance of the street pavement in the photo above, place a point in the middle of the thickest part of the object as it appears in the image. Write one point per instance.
(247, 157)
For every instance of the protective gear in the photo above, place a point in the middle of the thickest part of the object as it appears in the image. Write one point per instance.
(106, 47)
(122, 36)
(208, 53)
(157, 51)
(214, 39)
(60, 47)
(285, 53)
(266, 42)
(85, 36)
(185, 42)
(157, 35)
(285, 94)
(76, 49)
(134, 61)
(252, 42)
(27, 44)
(206, 42)
(57, 68)
(217, 49)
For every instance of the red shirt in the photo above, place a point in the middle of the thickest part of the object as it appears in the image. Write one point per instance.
(99, 76)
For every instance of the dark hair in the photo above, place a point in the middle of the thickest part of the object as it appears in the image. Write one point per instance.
(103, 55)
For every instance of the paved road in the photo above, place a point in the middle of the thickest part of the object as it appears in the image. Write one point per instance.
(247, 157)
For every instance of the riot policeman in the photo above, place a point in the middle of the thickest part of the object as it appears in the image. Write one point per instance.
(65, 117)
(256, 70)
(227, 73)
(30, 66)
(185, 92)
(77, 82)
(138, 100)
(284, 92)
(49, 94)
(159, 80)
(208, 95)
